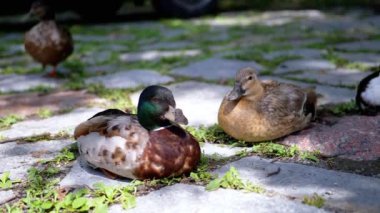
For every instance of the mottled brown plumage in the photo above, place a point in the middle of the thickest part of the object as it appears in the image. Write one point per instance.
(47, 42)
(117, 143)
(264, 110)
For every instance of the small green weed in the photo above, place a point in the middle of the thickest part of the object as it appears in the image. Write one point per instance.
(213, 134)
(314, 200)
(275, 150)
(44, 113)
(232, 180)
(9, 120)
(6, 182)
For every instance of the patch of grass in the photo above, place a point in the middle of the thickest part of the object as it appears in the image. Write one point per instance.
(6, 182)
(20, 70)
(213, 134)
(232, 180)
(9, 120)
(270, 149)
(344, 108)
(47, 136)
(41, 89)
(44, 113)
(335, 59)
(314, 200)
(310, 156)
(358, 66)
(75, 74)
(119, 98)
(201, 175)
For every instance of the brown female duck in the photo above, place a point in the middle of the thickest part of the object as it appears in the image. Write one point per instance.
(149, 145)
(46, 42)
(258, 111)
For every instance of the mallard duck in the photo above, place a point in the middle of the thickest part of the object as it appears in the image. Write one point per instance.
(148, 145)
(368, 94)
(264, 110)
(47, 42)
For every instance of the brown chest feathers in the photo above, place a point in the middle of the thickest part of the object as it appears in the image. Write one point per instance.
(169, 152)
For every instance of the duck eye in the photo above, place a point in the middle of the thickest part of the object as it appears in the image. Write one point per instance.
(250, 78)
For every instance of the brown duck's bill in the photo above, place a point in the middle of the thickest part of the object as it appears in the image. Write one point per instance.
(236, 93)
(176, 116)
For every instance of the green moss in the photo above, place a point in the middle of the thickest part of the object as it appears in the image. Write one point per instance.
(20, 70)
(305, 80)
(314, 200)
(47, 137)
(9, 120)
(44, 113)
(344, 108)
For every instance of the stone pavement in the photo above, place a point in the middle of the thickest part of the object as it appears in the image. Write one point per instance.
(197, 59)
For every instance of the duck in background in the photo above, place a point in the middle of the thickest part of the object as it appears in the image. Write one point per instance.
(368, 93)
(149, 145)
(257, 110)
(47, 42)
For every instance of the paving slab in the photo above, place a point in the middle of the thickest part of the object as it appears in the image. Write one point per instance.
(81, 175)
(189, 198)
(19, 83)
(370, 59)
(20, 157)
(303, 53)
(304, 65)
(350, 137)
(327, 94)
(103, 69)
(31, 103)
(337, 77)
(220, 150)
(53, 125)
(154, 55)
(372, 45)
(215, 68)
(343, 192)
(6, 196)
(199, 101)
(169, 45)
(130, 79)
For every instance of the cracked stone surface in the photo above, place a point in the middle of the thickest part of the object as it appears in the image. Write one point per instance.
(190, 198)
(215, 69)
(154, 55)
(304, 65)
(130, 79)
(199, 101)
(352, 137)
(21, 156)
(18, 83)
(340, 190)
(53, 125)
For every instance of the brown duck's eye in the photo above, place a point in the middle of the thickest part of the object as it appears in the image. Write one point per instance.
(250, 78)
